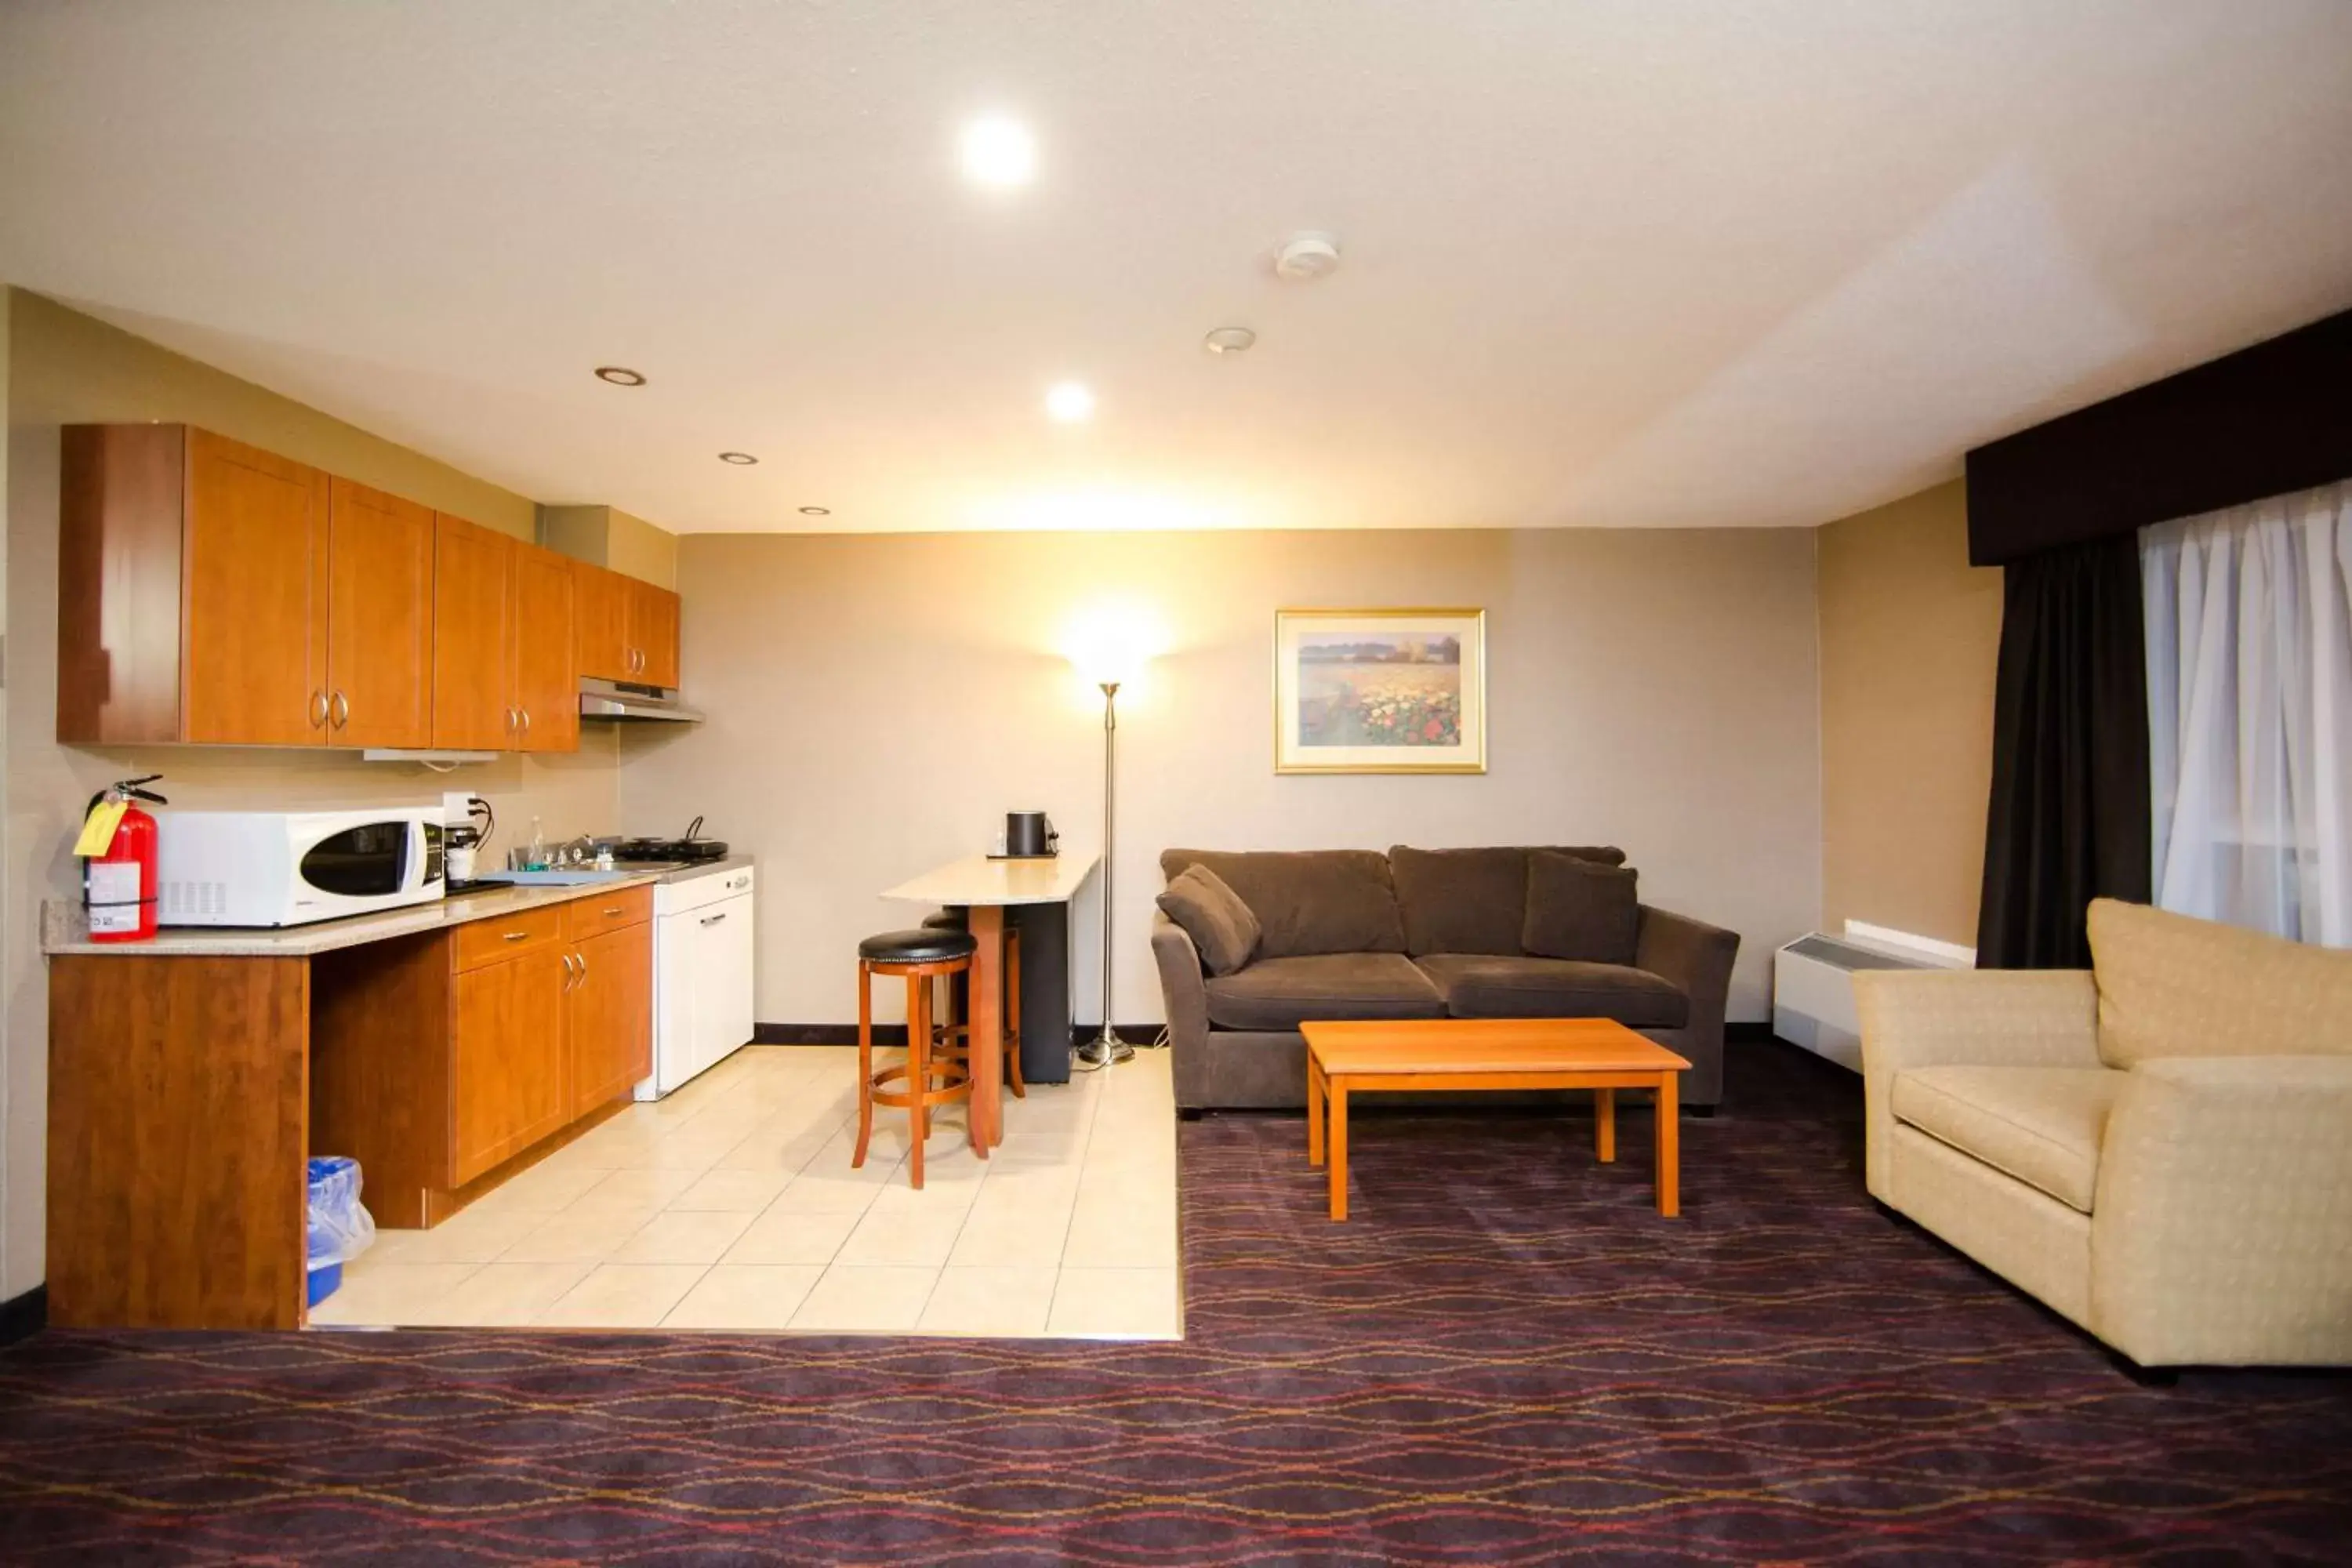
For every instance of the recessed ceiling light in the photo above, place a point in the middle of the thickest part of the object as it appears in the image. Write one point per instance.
(997, 151)
(620, 375)
(817, 511)
(1070, 403)
(740, 459)
(1229, 340)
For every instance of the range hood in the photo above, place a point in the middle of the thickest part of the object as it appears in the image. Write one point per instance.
(630, 700)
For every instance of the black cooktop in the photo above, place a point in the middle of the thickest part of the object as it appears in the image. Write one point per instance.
(689, 850)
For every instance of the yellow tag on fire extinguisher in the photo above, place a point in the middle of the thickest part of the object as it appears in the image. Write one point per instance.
(97, 828)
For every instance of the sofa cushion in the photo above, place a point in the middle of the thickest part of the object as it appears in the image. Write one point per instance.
(1484, 985)
(1461, 901)
(2171, 986)
(1578, 909)
(1283, 993)
(2041, 1125)
(1306, 901)
(1213, 916)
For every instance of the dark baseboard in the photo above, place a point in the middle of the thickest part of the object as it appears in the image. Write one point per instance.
(22, 1317)
(823, 1034)
(896, 1034)
(1749, 1033)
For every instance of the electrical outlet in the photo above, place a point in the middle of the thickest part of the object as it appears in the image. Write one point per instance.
(453, 806)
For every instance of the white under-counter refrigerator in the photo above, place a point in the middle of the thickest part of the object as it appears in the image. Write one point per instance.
(703, 955)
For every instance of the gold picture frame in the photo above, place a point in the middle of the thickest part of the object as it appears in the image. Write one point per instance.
(1379, 692)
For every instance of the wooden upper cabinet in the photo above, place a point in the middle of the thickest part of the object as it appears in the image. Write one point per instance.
(625, 629)
(600, 627)
(473, 638)
(121, 490)
(546, 689)
(212, 593)
(192, 589)
(255, 586)
(652, 634)
(380, 619)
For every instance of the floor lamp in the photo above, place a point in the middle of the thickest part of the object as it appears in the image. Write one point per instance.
(1107, 1047)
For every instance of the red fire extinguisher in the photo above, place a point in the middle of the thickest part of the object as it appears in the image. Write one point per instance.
(118, 871)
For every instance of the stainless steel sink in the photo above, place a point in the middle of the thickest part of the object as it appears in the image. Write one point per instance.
(571, 879)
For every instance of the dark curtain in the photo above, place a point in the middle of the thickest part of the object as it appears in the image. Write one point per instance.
(2070, 814)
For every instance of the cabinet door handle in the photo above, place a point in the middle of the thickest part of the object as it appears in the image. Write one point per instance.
(613, 910)
(341, 709)
(515, 936)
(526, 719)
(318, 710)
(714, 920)
(583, 966)
(570, 975)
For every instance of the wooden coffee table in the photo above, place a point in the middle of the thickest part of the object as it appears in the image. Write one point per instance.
(1389, 1054)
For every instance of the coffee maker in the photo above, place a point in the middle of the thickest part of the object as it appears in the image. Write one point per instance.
(1030, 836)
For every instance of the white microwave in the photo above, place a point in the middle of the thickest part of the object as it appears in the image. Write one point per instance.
(290, 867)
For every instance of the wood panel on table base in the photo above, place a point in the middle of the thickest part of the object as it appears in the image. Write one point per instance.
(380, 1070)
(1451, 1055)
(179, 1123)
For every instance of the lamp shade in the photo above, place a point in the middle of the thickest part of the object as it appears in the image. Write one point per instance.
(1109, 649)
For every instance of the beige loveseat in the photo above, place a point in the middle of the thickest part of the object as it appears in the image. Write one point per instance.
(2162, 1149)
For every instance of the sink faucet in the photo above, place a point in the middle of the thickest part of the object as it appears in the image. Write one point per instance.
(577, 851)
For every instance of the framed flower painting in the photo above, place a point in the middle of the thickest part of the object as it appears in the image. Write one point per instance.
(1379, 692)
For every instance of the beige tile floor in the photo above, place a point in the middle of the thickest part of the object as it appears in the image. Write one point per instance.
(731, 1206)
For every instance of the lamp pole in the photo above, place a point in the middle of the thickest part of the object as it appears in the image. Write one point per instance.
(1107, 1047)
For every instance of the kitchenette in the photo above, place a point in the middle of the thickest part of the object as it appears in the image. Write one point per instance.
(241, 990)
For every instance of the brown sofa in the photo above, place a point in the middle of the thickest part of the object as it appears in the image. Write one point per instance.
(1414, 934)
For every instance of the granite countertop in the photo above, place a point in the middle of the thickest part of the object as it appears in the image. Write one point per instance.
(64, 931)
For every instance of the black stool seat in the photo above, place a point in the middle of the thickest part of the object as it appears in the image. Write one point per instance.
(955, 917)
(917, 946)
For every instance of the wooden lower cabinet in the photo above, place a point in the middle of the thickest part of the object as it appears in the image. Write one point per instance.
(610, 1024)
(436, 1059)
(508, 1081)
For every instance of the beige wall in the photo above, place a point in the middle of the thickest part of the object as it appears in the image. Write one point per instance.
(877, 702)
(640, 550)
(65, 368)
(607, 536)
(1909, 635)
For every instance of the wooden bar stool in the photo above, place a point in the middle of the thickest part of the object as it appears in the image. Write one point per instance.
(922, 957)
(955, 1033)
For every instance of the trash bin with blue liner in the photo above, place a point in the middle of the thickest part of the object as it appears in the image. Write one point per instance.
(339, 1225)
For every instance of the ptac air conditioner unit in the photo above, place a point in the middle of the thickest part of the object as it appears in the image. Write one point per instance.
(1813, 985)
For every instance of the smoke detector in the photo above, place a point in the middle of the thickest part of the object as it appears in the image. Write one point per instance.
(1306, 257)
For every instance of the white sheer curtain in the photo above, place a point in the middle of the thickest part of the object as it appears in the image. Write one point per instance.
(2250, 713)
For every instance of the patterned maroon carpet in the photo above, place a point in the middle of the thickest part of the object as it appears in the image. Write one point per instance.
(1506, 1357)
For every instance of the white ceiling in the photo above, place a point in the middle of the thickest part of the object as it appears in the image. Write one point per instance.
(1607, 262)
